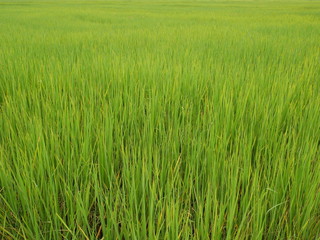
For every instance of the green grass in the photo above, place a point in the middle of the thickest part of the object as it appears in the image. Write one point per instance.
(140, 120)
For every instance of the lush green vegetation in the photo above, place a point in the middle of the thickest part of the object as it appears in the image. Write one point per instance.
(123, 120)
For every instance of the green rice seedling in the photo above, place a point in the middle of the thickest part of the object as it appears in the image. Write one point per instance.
(159, 120)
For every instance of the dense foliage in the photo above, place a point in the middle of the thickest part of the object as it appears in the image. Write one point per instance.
(124, 120)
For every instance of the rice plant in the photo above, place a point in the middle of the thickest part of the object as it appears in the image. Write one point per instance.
(159, 120)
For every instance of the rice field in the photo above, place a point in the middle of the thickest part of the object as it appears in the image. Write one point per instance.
(159, 120)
